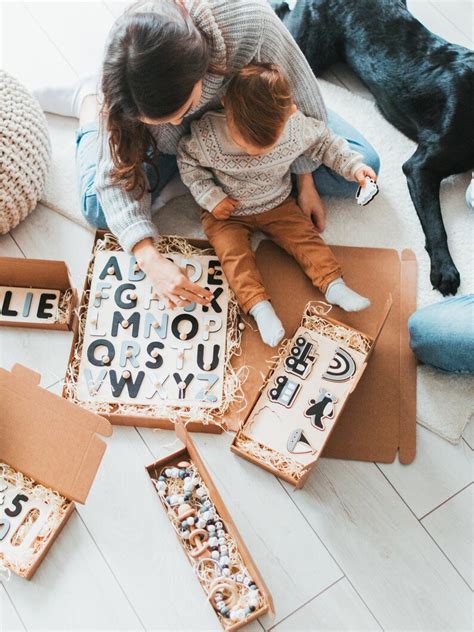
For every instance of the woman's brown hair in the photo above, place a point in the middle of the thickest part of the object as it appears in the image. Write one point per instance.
(152, 62)
(259, 101)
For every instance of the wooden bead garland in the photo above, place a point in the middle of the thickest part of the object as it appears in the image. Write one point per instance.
(217, 562)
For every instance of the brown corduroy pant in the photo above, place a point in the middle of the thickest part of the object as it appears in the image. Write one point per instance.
(289, 227)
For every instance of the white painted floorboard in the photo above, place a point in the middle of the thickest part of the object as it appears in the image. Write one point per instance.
(399, 572)
(452, 526)
(74, 588)
(439, 471)
(362, 547)
(9, 619)
(48, 235)
(338, 608)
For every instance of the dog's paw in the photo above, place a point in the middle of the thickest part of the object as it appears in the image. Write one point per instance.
(445, 278)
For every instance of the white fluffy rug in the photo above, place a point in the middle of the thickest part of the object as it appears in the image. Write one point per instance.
(445, 402)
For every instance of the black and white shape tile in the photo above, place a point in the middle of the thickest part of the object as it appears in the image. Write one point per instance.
(321, 408)
(341, 368)
(138, 351)
(298, 443)
(24, 305)
(303, 355)
(284, 391)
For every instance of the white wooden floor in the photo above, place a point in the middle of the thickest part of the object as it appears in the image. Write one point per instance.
(362, 547)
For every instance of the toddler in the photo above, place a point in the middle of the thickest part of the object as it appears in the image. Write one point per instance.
(237, 164)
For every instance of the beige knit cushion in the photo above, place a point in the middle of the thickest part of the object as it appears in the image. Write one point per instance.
(25, 152)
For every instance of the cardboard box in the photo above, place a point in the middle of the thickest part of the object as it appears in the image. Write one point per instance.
(128, 418)
(49, 440)
(189, 453)
(305, 393)
(374, 427)
(42, 274)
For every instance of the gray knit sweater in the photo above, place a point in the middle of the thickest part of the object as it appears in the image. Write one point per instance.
(239, 32)
(214, 167)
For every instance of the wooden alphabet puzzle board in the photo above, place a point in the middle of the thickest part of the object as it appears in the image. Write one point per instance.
(136, 351)
(29, 514)
(28, 305)
(299, 406)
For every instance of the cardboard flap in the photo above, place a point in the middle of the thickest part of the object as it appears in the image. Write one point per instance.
(408, 362)
(185, 437)
(28, 376)
(51, 275)
(383, 319)
(48, 438)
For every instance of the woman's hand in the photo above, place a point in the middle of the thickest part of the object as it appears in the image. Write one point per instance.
(225, 208)
(310, 201)
(168, 280)
(364, 171)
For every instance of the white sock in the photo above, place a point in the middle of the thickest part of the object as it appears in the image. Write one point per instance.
(339, 294)
(66, 100)
(269, 324)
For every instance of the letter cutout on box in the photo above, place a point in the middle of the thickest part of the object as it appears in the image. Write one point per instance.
(25, 305)
(132, 334)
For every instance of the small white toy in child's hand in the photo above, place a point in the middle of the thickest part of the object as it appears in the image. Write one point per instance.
(367, 193)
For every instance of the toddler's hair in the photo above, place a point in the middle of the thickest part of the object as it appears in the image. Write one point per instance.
(258, 100)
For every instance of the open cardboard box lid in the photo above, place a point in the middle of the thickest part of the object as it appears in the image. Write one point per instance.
(31, 273)
(48, 438)
(185, 438)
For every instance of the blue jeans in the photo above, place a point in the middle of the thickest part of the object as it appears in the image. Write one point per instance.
(442, 335)
(327, 181)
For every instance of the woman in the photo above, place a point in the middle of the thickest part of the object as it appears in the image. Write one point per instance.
(166, 63)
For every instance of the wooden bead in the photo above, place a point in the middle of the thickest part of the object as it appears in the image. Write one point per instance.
(93, 321)
(184, 464)
(182, 386)
(154, 353)
(201, 534)
(133, 296)
(136, 268)
(111, 270)
(211, 270)
(128, 353)
(125, 324)
(198, 538)
(106, 359)
(241, 326)
(207, 367)
(183, 336)
(155, 324)
(185, 511)
(98, 295)
(126, 375)
(155, 295)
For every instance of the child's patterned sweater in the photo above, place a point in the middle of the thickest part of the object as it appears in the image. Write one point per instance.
(214, 167)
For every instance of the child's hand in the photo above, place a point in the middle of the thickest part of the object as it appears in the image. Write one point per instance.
(225, 208)
(310, 202)
(364, 171)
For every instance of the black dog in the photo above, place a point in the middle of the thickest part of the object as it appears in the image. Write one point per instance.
(423, 85)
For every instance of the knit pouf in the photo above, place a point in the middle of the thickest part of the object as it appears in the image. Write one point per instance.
(25, 152)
